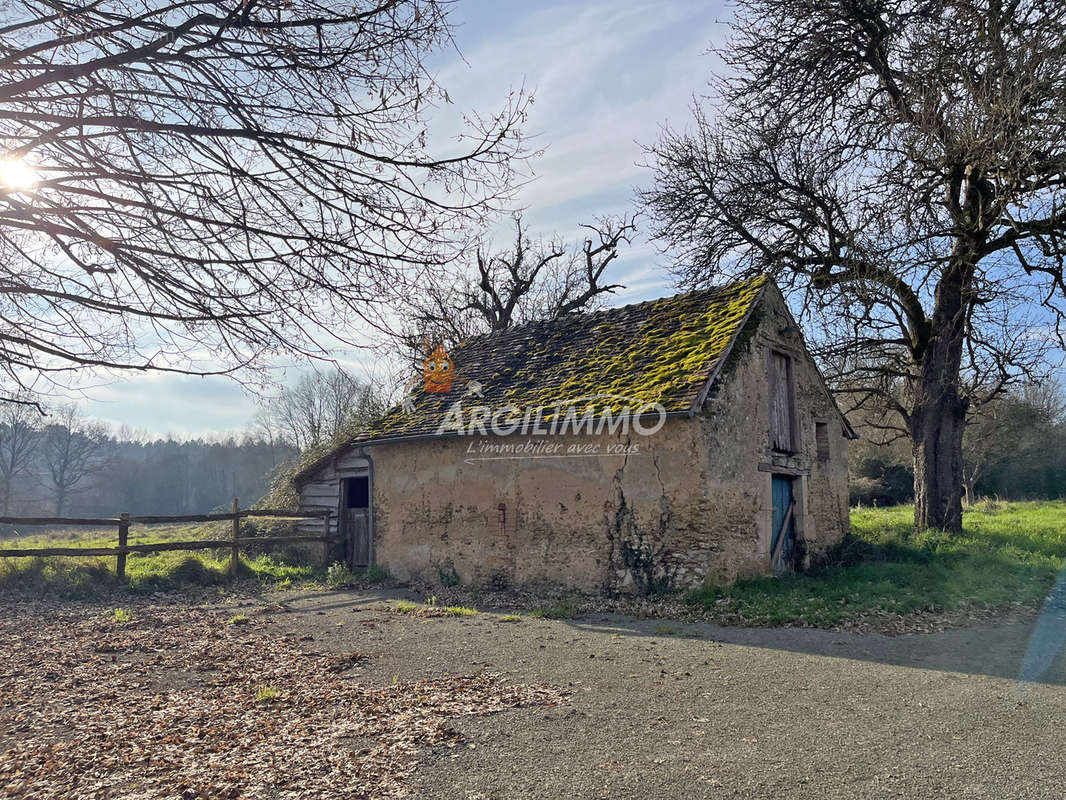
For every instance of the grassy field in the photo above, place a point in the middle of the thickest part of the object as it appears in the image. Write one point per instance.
(153, 572)
(1008, 554)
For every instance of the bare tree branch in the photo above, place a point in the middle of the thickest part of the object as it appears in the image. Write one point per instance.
(199, 186)
(900, 168)
(532, 280)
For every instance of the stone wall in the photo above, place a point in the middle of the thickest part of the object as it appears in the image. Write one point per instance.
(593, 522)
(736, 421)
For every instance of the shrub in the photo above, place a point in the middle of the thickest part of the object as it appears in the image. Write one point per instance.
(375, 573)
(57, 577)
(459, 611)
(194, 570)
(338, 576)
(431, 609)
(448, 574)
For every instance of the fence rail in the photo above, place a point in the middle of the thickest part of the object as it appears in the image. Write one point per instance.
(123, 522)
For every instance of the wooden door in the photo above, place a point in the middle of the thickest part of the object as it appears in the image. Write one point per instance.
(783, 525)
(357, 530)
(355, 522)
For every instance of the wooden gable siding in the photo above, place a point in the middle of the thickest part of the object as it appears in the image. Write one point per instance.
(323, 490)
(321, 495)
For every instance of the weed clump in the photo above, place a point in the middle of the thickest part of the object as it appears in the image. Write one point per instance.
(566, 608)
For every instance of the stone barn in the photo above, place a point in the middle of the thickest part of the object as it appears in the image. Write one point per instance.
(671, 443)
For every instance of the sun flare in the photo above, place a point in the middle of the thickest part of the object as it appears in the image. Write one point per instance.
(16, 174)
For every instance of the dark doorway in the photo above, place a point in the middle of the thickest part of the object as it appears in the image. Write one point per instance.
(357, 492)
(355, 519)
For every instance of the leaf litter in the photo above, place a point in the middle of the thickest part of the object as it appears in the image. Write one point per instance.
(165, 705)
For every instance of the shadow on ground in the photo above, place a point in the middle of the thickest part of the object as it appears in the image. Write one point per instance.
(1011, 650)
(1030, 649)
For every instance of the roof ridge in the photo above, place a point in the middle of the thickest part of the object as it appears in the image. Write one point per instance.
(714, 291)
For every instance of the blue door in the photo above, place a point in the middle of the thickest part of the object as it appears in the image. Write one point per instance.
(783, 525)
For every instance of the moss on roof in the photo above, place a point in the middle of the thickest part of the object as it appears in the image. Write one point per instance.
(659, 351)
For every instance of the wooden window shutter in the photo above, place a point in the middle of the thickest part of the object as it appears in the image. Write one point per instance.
(782, 404)
(821, 441)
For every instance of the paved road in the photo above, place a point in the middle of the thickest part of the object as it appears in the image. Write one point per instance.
(671, 710)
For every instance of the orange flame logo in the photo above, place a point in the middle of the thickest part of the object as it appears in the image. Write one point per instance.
(438, 371)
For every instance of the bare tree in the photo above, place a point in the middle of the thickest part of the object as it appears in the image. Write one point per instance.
(534, 279)
(899, 167)
(19, 436)
(73, 449)
(318, 407)
(196, 186)
(1010, 427)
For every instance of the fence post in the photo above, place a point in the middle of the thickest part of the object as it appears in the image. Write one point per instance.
(123, 540)
(235, 550)
(327, 544)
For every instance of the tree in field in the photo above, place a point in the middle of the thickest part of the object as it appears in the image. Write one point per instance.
(899, 166)
(1014, 428)
(198, 186)
(73, 450)
(531, 280)
(318, 407)
(19, 436)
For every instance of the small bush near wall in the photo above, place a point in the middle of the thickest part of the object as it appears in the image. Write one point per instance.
(646, 566)
(448, 575)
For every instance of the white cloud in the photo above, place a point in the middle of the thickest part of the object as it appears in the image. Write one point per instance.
(605, 76)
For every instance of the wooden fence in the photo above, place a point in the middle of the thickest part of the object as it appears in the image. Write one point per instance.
(123, 522)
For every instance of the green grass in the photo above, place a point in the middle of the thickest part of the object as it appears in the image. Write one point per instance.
(1008, 553)
(266, 694)
(89, 577)
(339, 576)
(431, 609)
(564, 609)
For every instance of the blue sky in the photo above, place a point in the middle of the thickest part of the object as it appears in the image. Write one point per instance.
(605, 76)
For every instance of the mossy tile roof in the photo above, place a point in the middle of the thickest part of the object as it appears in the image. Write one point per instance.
(661, 351)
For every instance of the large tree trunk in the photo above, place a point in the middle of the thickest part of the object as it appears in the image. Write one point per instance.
(938, 417)
(936, 441)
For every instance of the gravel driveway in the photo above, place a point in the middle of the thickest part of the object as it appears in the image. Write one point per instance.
(674, 710)
(326, 695)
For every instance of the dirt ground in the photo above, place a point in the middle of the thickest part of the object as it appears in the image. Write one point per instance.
(599, 706)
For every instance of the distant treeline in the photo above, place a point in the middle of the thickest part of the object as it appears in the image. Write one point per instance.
(66, 465)
(1014, 448)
